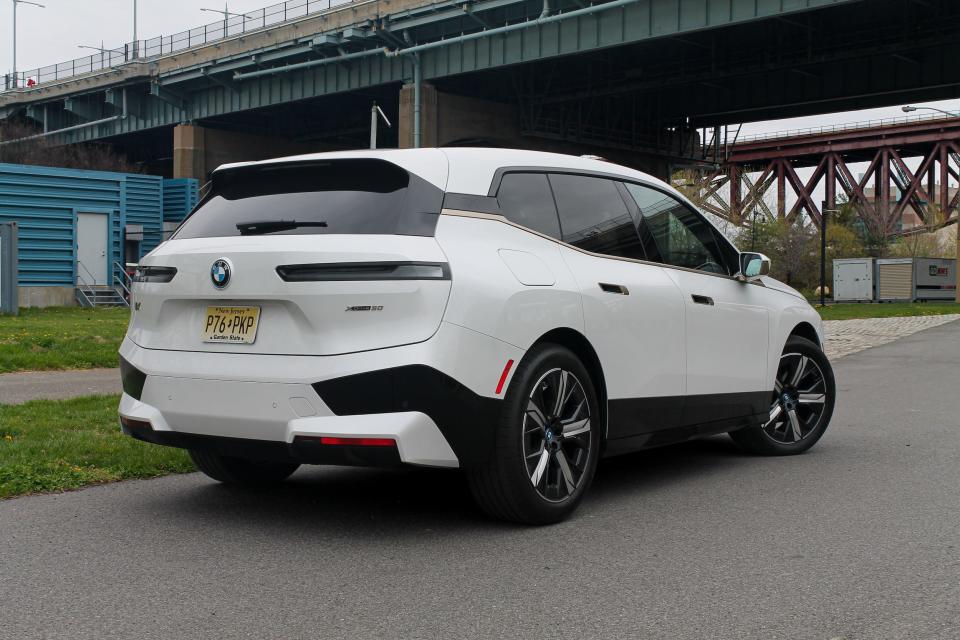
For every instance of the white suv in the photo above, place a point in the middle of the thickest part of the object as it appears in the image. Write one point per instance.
(512, 313)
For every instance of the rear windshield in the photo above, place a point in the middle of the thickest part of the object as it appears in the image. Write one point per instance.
(337, 196)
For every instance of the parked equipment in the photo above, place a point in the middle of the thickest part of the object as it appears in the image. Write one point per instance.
(935, 278)
(910, 279)
(853, 280)
(895, 279)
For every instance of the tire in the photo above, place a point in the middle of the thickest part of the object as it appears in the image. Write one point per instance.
(810, 401)
(240, 470)
(531, 442)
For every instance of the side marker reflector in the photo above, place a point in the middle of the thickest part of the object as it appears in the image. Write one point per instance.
(503, 376)
(358, 442)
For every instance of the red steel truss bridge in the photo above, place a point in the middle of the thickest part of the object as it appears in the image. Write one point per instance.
(864, 164)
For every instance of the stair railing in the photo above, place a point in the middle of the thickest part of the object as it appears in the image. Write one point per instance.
(122, 280)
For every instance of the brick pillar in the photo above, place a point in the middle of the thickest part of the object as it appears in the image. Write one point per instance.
(189, 152)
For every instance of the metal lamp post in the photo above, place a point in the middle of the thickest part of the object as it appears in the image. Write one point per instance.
(909, 108)
(102, 51)
(374, 111)
(226, 13)
(823, 252)
(15, 3)
(134, 52)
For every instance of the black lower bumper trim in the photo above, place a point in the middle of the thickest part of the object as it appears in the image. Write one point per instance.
(468, 421)
(302, 450)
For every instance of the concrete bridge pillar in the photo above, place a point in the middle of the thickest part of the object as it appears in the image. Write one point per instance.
(198, 150)
(446, 118)
(189, 152)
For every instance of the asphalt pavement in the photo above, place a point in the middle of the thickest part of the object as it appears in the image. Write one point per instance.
(858, 539)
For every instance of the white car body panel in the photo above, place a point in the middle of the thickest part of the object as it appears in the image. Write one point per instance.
(296, 318)
(727, 340)
(639, 336)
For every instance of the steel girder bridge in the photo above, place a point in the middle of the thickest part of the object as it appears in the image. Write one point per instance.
(759, 176)
(639, 76)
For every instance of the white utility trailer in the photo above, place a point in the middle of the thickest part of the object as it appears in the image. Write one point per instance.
(853, 280)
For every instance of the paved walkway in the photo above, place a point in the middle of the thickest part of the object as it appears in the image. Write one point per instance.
(850, 336)
(843, 338)
(16, 388)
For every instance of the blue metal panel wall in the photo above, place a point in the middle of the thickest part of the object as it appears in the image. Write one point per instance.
(179, 198)
(44, 201)
(144, 199)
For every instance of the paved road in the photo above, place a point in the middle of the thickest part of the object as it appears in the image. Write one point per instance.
(858, 539)
(31, 385)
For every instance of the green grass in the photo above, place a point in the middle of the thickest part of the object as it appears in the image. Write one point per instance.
(56, 445)
(61, 338)
(887, 310)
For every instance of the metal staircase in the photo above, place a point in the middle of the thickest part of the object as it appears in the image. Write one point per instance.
(102, 295)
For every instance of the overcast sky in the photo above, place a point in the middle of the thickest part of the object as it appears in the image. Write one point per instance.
(50, 35)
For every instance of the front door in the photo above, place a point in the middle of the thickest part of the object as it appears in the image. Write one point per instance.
(92, 248)
(726, 322)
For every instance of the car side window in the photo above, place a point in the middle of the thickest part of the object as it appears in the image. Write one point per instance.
(594, 217)
(674, 234)
(526, 199)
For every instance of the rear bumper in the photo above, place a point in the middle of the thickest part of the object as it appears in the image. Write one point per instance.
(278, 407)
(418, 440)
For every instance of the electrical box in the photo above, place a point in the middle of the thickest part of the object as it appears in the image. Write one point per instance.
(853, 280)
(895, 280)
(935, 278)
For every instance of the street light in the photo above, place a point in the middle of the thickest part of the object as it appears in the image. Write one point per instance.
(15, 3)
(226, 13)
(374, 111)
(908, 108)
(134, 52)
(102, 51)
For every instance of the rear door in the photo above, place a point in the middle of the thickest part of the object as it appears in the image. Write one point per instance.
(313, 258)
(633, 312)
(726, 321)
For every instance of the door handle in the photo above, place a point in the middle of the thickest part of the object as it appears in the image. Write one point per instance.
(614, 288)
(707, 300)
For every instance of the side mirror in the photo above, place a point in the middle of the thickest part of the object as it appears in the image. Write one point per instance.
(753, 265)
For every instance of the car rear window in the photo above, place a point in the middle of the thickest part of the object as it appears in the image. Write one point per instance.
(363, 196)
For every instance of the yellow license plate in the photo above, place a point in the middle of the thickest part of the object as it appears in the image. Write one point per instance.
(237, 325)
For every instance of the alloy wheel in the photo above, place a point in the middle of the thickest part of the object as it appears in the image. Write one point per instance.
(799, 399)
(557, 434)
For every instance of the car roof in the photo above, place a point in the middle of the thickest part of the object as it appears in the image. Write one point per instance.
(467, 170)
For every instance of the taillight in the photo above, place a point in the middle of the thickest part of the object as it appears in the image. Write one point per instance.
(355, 271)
(154, 274)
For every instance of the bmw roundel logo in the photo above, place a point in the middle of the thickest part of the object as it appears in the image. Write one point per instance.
(220, 273)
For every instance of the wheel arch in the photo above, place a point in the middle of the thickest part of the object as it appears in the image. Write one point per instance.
(806, 330)
(581, 347)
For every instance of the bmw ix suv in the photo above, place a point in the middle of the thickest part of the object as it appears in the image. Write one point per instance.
(514, 314)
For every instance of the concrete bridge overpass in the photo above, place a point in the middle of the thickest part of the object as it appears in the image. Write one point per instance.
(632, 80)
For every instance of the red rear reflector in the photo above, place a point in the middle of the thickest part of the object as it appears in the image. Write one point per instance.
(359, 442)
(503, 376)
(131, 423)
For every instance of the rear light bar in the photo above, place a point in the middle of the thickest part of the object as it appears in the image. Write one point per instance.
(351, 442)
(154, 274)
(354, 271)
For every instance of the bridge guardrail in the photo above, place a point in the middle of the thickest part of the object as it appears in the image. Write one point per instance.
(150, 48)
